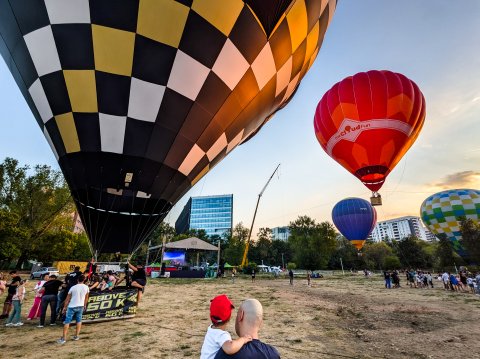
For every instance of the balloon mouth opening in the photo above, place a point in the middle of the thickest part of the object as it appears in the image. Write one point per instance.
(372, 176)
(358, 243)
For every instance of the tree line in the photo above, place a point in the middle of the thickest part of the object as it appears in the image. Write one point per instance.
(314, 246)
(36, 216)
(36, 223)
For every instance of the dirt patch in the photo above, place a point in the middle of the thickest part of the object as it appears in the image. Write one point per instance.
(338, 317)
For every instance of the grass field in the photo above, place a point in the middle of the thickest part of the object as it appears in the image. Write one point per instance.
(338, 317)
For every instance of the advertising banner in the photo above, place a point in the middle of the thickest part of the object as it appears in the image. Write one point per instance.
(119, 303)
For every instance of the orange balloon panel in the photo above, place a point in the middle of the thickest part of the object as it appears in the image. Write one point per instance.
(368, 121)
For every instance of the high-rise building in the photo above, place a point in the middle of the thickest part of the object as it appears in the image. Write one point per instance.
(399, 228)
(214, 214)
(281, 233)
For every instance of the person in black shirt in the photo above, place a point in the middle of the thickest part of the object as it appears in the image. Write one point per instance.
(70, 280)
(248, 322)
(387, 276)
(12, 289)
(139, 279)
(50, 292)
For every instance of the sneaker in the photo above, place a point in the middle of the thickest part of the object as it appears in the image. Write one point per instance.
(40, 326)
(9, 325)
(29, 318)
(53, 323)
(75, 337)
(61, 341)
(19, 324)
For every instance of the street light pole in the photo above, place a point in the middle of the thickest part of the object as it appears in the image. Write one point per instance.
(283, 263)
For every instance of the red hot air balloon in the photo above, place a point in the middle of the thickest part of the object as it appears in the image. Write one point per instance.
(368, 121)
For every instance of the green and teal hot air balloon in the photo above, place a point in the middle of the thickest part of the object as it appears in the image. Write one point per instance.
(443, 211)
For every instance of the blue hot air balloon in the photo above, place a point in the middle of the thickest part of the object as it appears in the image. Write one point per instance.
(355, 218)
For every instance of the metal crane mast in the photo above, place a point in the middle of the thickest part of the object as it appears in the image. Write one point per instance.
(247, 245)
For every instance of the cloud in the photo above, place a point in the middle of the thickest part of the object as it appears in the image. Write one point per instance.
(459, 180)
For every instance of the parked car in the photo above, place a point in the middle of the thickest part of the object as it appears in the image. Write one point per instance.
(44, 270)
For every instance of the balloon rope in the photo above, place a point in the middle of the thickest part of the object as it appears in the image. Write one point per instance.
(401, 177)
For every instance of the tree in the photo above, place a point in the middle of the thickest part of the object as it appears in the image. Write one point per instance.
(41, 201)
(312, 243)
(163, 229)
(280, 253)
(346, 252)
(10, 234)
(392, 262)
(235, 247)
(376, 253)
(471, 239)
(444, 252)
(411, 252)
(63, 245)
(260, 250)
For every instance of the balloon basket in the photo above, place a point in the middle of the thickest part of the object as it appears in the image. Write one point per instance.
(376, 199)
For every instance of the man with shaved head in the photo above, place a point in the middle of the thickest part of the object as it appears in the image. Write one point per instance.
(248, 322)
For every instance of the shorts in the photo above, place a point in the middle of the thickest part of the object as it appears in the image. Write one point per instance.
(73, 313)
(141, 281)
(9, 299)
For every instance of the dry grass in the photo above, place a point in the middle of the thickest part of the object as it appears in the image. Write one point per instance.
(337, 317)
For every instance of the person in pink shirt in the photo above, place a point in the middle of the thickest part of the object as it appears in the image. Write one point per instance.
(35, 310)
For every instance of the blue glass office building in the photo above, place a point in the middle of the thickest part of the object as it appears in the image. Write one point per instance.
(214, 214)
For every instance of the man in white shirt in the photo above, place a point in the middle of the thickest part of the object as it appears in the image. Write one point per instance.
(445, 279)
(75, 303)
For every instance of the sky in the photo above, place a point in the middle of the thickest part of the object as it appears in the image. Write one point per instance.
(432, 42)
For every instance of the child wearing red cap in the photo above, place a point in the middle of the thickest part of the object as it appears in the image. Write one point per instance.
(216, 337)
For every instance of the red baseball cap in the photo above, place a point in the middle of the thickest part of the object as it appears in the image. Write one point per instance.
(220, 309)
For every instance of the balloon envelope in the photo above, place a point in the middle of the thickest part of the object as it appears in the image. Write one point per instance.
(140, 99)
(442, 212)
(355, 218)
(368, 121)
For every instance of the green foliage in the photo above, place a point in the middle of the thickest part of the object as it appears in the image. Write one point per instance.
(471, 239)
(392, 262)
(233, 252)
(291, 265)
(347, 253)
(412, 253)
(260, 249)
(375, 254)
(9, 236)
(312, 243)
(162, 230)
(250, 267)
(444, 252)
(63, 245)
(36, 208)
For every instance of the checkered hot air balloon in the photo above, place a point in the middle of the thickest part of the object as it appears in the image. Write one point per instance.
(141, 98)
(368, 121)
(442, 212)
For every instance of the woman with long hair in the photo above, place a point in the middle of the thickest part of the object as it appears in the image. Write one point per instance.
(35, 310)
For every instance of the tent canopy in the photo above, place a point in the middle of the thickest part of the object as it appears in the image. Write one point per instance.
(192, 243)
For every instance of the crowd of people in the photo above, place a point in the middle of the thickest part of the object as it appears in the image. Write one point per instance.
(463, 281)
(67, 299)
